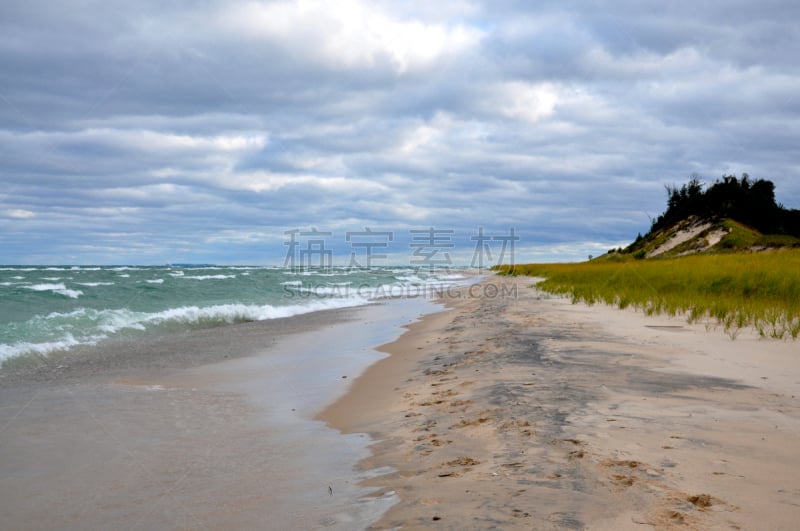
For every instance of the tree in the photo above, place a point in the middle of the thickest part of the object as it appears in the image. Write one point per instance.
(749, 201)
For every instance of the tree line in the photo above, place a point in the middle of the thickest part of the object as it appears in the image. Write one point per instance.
(747, 201)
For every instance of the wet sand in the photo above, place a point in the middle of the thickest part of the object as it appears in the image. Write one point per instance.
(529, 412)
(204, 429)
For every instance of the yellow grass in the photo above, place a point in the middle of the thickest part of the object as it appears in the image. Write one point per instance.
(760, 290)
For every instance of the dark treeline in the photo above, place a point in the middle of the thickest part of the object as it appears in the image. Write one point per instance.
(751, 202)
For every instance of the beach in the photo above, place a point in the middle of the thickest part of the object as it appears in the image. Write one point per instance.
(202, 429)
(526, 411)
(509, 409)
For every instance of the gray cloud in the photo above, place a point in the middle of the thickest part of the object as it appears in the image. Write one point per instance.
(145, 133)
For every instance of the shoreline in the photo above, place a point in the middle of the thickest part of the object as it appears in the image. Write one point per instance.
(208, 428)
(369, 396)
(534, 412)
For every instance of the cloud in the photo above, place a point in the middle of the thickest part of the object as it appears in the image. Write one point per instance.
(351, 34)
(19, 213)
(130, 131)
(524, 101)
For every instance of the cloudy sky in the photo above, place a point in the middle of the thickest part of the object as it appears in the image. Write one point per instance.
(149, 132)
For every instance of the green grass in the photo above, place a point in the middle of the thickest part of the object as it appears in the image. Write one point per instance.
(739, 238)
(735, 290)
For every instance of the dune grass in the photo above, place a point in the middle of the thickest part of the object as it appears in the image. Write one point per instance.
(759, 290)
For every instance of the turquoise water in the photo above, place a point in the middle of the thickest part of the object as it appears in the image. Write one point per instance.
(47, 309)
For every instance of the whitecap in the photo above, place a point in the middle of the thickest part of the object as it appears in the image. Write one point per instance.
(22, 348)
(59, 288)
(208, 277)
(450, 277)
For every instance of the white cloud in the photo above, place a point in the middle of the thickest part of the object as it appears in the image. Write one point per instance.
(103, 212)
(348, 34)
(142, 140)
(154, 141)
(163, 193)
(264, 181)
(19, 213)
(528, 102)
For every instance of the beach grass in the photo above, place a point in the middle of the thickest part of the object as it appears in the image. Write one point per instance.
(736, 291)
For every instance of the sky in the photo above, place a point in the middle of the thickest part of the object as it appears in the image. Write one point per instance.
(214, 131)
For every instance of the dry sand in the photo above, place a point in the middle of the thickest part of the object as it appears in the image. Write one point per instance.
(529, 412)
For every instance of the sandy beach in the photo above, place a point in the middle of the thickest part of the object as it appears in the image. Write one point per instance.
(203, 429)
(529, 412)
(508, 410)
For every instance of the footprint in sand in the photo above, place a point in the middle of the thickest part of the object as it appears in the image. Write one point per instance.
(466, 464)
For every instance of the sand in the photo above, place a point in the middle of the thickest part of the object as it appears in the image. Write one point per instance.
(509, 410)
(529, 412)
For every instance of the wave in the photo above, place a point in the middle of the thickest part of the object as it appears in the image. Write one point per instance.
(155, 281)
(450, 277)
(208, 277)
(233, 313)
(101, 324)
(414, 279)
(59, 288)
(42, 349)
(95, 284)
